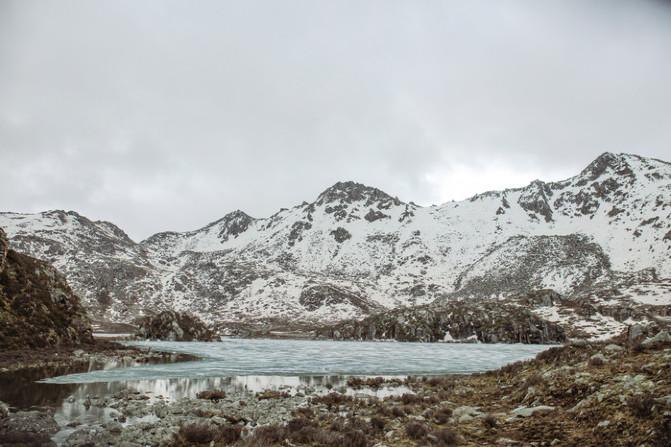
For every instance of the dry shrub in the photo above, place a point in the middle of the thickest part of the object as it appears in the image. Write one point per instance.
(442, 415)
(445, 437)
(355, 438)
(551, 355)
(382, 409)
(297, 424)
(533, 380)
(196, 433)
(201, 413)
(213, 395)
(229, 434)
(662, 433)
(489, 421)
(337, 425)
(305, 412)
(267, 435)
(24, 439)
(416, 430)
(397, 412)
(332, 399)
(377, 423)
(410, 399)
(596, 362)
(428, 413)
(204, 434)
(511, 368)
(358, 382)
(641, 405)
(272, 394)
(440, 382)
(305, 435)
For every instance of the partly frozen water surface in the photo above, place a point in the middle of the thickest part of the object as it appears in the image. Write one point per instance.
(244, 357)
(241, 366)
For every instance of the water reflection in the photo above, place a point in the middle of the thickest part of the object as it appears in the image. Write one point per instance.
(19, 389)
(88, 403)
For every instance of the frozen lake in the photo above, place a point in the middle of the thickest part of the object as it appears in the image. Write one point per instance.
(294, 358)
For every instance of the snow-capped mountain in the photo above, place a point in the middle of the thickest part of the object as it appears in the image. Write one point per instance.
(356, 250)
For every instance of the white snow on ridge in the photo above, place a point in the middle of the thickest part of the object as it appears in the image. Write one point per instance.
(375, 248)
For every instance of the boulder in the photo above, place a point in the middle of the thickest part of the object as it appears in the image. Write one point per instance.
(466, 413)
(661, 338)
(525, 412)
(635, 333)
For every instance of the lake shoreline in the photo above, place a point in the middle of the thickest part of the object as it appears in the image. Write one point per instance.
(100, 351)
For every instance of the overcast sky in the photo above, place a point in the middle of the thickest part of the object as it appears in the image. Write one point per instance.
(166, 115)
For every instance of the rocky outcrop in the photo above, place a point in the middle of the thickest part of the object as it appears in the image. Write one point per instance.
(37, 307)
(477, 321)
(173, 326)
(316, 296)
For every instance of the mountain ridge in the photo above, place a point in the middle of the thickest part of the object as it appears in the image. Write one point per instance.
(356, 249)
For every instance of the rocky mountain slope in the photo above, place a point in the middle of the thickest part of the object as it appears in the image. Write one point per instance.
(355, 250)
(37, 307)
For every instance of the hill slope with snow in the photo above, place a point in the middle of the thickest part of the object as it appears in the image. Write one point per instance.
(356, 250)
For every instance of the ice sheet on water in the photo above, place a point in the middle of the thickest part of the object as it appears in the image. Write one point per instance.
(242, 357)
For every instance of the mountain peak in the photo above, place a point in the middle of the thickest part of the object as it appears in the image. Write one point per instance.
(605, 161)
(349, 192)
(233, 224)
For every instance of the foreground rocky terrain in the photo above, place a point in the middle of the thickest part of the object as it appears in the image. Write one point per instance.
(615, 393)
(602, 236)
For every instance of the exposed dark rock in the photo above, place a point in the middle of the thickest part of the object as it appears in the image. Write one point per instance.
(173, 326)
(374, 215)
(37, 307)
(350, 192)
(234, 224)
(315, 296)
(297, 230)
(602, 163)
(535, 200)
(341, 235)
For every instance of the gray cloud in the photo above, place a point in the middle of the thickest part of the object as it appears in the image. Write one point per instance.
(166, 115)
